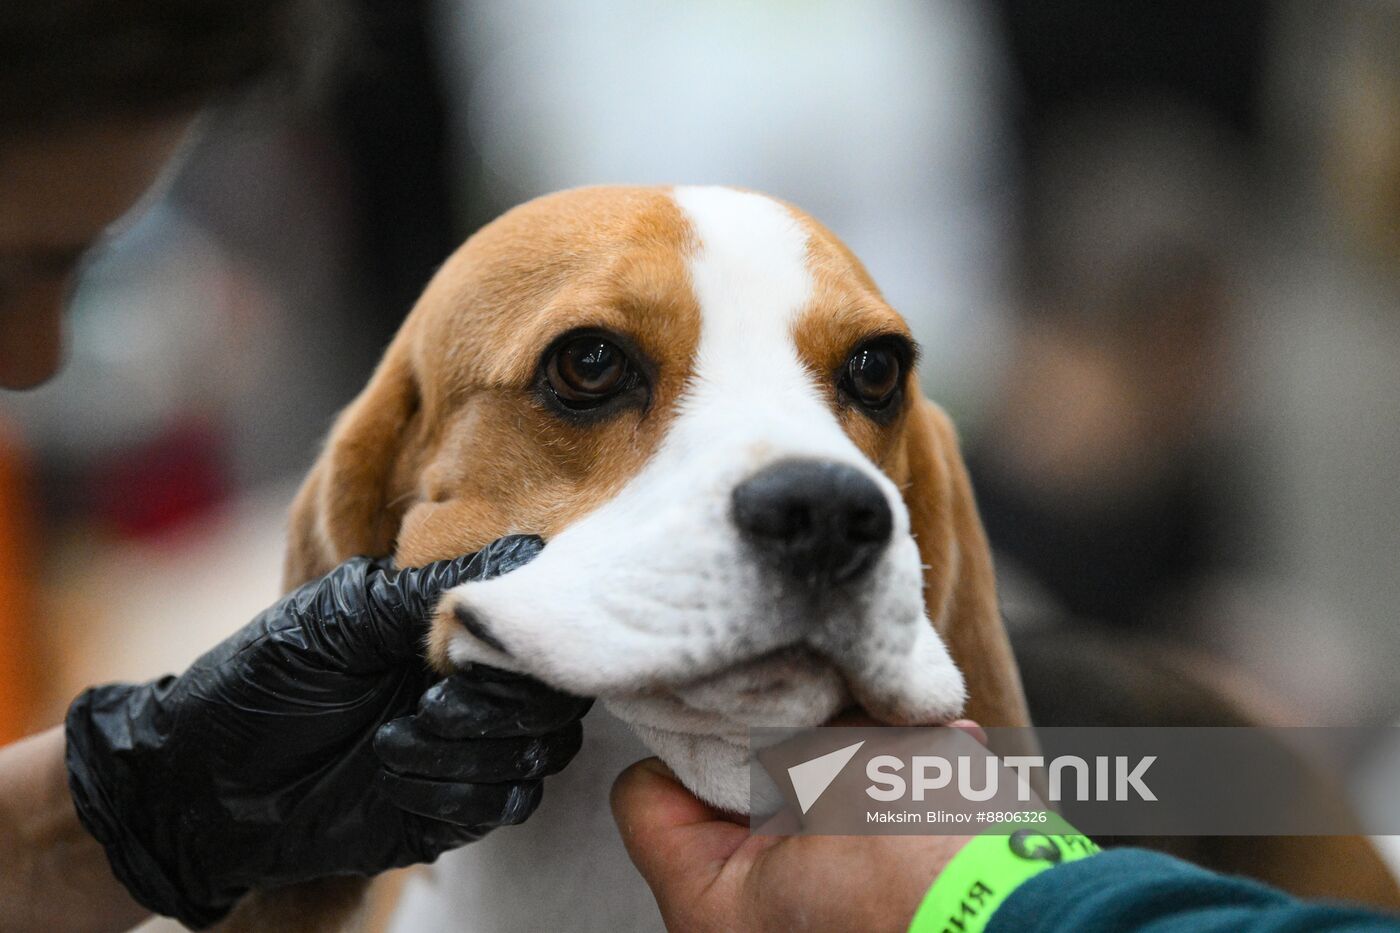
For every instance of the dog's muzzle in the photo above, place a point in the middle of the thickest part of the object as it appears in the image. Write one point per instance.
(723, 589)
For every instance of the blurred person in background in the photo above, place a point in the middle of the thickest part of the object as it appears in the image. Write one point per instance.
(312, 742)
(1099, 471)
(1187, 468)
(1189, 447)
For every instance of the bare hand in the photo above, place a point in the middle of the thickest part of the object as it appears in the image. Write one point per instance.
(709, 873)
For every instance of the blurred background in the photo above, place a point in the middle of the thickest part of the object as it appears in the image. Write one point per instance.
(1152, 252)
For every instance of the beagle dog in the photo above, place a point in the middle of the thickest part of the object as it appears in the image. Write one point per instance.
(700, 399)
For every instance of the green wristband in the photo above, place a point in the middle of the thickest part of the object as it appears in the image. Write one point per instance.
(982, 876)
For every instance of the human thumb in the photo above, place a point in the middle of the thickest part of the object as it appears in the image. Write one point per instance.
(679, 843)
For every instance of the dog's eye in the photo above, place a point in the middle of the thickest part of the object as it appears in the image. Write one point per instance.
(873, 374)
(586, 370)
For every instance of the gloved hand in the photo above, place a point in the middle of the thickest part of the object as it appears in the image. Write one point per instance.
(257, 767)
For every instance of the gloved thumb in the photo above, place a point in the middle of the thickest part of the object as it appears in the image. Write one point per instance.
(402, 601)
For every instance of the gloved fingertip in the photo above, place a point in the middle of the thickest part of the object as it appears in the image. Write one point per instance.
(562, 712)
(481, 703)
(419, 587)
(464, 803)
(437, 836)
(502, 556)
(557, 749)
(391, 736)
(435, 696)
(516, 545)
(582, 707)
(524, 798)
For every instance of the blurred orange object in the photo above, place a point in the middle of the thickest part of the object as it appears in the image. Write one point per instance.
(18, 696)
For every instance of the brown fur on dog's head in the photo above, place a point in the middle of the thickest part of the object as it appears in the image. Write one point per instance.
(447, 448)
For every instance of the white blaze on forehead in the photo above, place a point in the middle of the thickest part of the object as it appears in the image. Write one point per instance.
(749, 273)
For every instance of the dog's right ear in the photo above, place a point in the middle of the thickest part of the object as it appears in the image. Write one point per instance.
(959, 585)
(351, 503)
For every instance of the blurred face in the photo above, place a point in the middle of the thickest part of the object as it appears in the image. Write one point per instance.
(59, 190)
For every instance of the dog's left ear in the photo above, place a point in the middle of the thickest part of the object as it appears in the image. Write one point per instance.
(959, 586)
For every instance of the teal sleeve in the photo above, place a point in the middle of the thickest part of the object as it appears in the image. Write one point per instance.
(1125, 890)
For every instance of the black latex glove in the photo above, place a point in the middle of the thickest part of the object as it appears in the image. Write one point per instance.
(257, 766)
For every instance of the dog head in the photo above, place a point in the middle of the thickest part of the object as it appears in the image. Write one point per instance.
(700, 399)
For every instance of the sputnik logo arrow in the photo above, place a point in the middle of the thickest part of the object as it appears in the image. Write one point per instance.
(811, 778)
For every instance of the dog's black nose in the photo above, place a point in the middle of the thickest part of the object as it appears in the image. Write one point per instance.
(821, 522)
